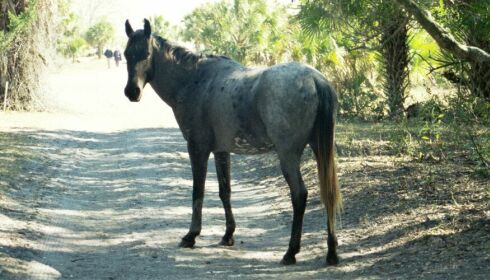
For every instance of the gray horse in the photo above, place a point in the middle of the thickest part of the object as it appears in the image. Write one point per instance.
(223, 107)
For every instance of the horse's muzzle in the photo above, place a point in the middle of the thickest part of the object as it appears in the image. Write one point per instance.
(133, 93)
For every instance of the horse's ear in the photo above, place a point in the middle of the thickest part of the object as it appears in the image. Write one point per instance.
(129, 29)
(147, 29)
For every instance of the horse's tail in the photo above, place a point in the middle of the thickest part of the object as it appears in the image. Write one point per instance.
(324, 137)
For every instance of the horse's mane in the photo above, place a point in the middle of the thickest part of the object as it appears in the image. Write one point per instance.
(180, 54)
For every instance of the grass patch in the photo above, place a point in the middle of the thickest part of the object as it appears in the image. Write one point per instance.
(421, 140)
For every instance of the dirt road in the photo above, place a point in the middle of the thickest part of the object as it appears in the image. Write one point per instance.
(99, 188)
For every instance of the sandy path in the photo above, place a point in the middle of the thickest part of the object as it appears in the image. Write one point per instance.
(100, 188)
(112, 193)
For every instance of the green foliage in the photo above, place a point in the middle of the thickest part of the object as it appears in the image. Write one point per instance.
(314, 19)
(322, 52)
(100, 34)
(423, 49)
(17, 24)
(358, 97)
(253, 32)
(19, 21)
(365, 26)
(465, 17)
(74, 46)
(469, 22)
(352, 18)
(352, 72)
(459, 130)
(250, 31)
(431, 137)
(328, 39)
(469, 117)
(163, 28)
(70, 41)
(24, 50)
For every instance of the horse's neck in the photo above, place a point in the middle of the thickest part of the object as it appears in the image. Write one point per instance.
(168, 79)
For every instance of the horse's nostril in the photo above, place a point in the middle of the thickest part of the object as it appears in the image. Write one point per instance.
(127, 91)
(133, 93)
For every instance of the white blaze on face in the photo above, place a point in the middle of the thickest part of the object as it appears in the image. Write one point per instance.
(140, 70)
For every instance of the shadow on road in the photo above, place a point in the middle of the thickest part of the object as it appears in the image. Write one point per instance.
(87, 205)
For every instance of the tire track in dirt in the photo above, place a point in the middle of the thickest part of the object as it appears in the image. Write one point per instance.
(114, 205)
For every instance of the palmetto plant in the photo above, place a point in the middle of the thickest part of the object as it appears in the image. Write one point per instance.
(366, 25)
(249, 31)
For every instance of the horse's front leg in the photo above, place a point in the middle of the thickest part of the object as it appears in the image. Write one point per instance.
(199, 161)
(222, 161)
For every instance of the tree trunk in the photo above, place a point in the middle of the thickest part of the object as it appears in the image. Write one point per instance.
(3, 15)
(395, 57)
(443, 38)
(20, 6)
(479, 72)
(100, 50)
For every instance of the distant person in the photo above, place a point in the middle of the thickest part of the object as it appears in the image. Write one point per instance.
(108, 54)
(117, 57)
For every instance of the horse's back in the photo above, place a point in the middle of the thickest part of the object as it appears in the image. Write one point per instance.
(254, 110)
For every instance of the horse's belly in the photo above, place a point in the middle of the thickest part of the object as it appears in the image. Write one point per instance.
(242, 145)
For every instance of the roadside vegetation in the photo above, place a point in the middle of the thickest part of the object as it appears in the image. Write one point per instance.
(400, 93)
(388, 71)
(413, 133)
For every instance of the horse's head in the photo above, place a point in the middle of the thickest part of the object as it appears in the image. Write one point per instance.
(138, 53)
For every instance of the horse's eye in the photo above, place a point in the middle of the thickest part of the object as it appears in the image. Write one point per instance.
(147, 54)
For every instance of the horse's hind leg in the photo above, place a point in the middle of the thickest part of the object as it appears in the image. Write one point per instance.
(222, 161)
(290, 163)
(199, 160)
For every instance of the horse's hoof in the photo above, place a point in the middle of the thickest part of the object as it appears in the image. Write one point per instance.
(227, 241)
(332, 259)
(288, 260)
(187, 243)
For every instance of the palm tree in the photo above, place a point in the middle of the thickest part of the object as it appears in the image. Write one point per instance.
(370, 24)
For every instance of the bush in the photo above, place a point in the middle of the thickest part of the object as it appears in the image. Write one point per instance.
(358, 97)
(24, 48)
(100, 34)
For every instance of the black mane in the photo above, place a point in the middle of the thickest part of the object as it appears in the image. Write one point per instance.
(180, 54)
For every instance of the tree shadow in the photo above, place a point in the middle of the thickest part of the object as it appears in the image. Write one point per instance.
(116, 204)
